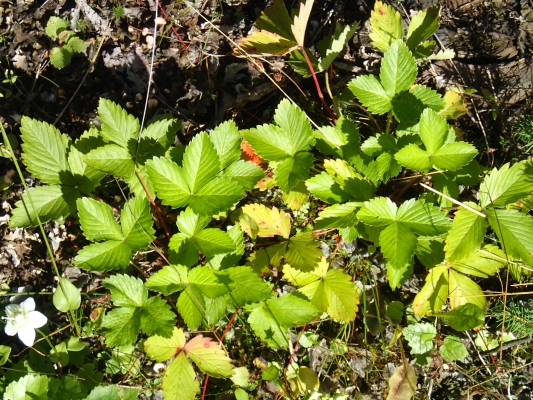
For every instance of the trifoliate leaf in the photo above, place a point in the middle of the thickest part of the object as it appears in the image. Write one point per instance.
(118, 126)
(45, 151)
(464, 290)
(245, 173)
(104, 256)
(371, 94)
(398, 69)
(515, 232)
(326, 189)
(507, 185)
(216, 196)
(50, 202)
(249, 287)
(385, 25)
(453, 156)
(168, 280)
(466, 235)
(293, 170)
(398, 245)
(161, 349)
(433, 295)
(169, 183)
(259, 220)
(137, 224)
(200, 162)
(337, 216)
(453, 349)
(111, 159)
(97, 220)
(423, 24)
(303, 252)
(413, 157)
(465, 317)
(329, 291)
(271, 319)
(433, 130)
(179, 381)
(420, 337)
(379, 211)
(209, 357)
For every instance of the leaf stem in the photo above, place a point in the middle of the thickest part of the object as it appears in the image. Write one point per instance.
(156, 209)
(457, 202)
(41, 228)
(317, 85)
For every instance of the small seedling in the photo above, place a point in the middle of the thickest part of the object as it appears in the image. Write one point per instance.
(70, 44)
(118, 11)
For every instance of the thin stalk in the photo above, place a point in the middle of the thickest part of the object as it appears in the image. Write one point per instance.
(328, 88)
(41, 228)
(47, 340)
(389, 120)
(319, 91)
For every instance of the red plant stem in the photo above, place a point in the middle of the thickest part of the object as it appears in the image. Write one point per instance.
(154, 205)
(172, 26)
(318, 86)
(291, 356)
(230, 322)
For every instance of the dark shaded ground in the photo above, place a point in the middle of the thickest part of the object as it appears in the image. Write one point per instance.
(197, 79)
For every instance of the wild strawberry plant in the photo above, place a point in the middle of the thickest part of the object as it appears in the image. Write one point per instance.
(228, 250)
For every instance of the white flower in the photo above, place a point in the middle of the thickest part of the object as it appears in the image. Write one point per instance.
(22, 319)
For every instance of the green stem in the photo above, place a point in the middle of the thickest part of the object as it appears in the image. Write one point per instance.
(389, 120)
(41, 228)
(328, 88)
(47, 340)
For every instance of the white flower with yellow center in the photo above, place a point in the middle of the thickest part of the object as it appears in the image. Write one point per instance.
(22, 319)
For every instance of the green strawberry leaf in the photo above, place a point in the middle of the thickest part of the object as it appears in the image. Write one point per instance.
(45, 152)
(433, 130)
(323, 187)
(507, 185)
(216, 196)
(398, 69)
(111, 159)
(137, 224)
(49, 203)
(227, 141)
(180, 380)
(371, 94)
(385, 25)
(168, 181)
(104, 256)
(245, 173)
(293, 170)
(398, 245)
(465, 317)
(168, 280)
(423, 218)
(453, 156)
(379, 211)
(212, 241)
(97, 220)
(413, 157)
(271, 319)
(118, 126)
(190, 223)
(423, 24)
(200, 162)
(249, 287)
(466, 235)
(337, 216)
(303, 252)
(87, 177)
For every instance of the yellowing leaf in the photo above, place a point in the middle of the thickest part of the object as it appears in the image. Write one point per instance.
(454, 108)
(300, 22)
(385, 25)
(161, 349)
(179, 381)
(258, 220)
(434, 293)
(266, 43)
(209, 357)
(402, 384)
(464, 290)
